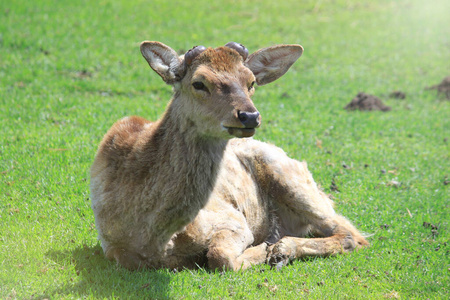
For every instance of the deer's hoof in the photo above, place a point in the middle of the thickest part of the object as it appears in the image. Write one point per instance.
(279, 255)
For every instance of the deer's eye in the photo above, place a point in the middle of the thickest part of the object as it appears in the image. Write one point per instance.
(251, 86)
(198, 85)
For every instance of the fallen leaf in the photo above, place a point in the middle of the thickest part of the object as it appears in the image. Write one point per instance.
(409, 213)
(394, 183)
(273, 289)
(392, 295)
(319, 143)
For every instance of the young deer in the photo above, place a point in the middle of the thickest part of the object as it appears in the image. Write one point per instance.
(182, 192)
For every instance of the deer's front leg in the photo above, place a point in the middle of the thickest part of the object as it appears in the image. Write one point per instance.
(229, 238)
(228, 251)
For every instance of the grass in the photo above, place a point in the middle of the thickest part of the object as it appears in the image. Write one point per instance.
(69, 69)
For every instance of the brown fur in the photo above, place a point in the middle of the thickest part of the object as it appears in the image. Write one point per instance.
(181, 192)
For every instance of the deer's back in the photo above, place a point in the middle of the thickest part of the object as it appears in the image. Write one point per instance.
(120, 140)
(114, 162)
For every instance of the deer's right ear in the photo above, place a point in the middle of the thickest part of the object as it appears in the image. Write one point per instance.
(163, 60)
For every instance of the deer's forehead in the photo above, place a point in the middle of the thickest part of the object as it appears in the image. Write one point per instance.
(237, 74)
(222, 59)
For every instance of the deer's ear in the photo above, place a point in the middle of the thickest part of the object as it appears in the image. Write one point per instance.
(271, 63)
(163, 60)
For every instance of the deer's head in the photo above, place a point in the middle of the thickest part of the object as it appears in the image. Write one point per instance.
(213, 87)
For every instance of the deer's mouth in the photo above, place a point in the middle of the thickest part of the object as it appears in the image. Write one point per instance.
(241, 132)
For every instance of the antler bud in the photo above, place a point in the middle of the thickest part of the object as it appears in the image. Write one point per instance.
(192, 54)
(239, 48)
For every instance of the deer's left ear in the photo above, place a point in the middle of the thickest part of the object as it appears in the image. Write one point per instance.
(271, 63)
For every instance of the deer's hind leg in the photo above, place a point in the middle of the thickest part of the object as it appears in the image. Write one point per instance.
(291, 248)
(300, 201)
(302, 208)
(339, 237)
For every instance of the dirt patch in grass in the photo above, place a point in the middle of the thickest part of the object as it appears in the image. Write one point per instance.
(442, 88)
(397, 95)
(364, 101)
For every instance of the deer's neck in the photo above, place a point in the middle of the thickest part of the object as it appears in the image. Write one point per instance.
(184, 168)
(178, 140)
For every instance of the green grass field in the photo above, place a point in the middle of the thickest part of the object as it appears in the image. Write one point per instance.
(70, 69)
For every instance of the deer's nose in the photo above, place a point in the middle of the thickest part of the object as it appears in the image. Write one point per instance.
(249, 119)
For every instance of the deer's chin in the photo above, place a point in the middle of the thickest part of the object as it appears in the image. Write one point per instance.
(241, 132)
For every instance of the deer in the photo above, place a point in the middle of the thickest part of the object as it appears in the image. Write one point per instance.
(195, 189)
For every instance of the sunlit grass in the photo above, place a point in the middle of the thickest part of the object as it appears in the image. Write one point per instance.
(69, 69)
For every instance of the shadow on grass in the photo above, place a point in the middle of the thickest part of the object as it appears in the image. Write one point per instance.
(100, 278)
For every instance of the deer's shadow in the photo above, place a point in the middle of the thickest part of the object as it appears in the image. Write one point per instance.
(101, 278)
